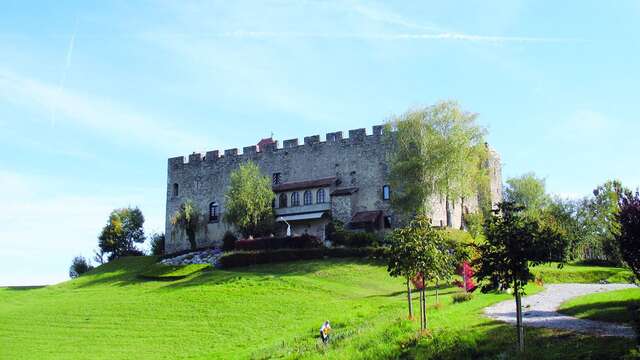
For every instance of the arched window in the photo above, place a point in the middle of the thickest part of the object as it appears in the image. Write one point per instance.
(295, 199)
(320, 196)
(386, 192)
(307, 198)
(175, 189)
(214, 215)
(282, 201)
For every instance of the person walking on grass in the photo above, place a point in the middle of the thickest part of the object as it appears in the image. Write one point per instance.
(325, 329)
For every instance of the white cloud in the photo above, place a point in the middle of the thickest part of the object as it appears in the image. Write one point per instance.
(107, 118)
(584, 125)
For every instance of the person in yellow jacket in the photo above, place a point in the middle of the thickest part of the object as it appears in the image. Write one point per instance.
(325, 329)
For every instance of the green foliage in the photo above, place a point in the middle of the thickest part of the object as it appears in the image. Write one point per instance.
(529, 192)
(229, 241)
(159, 271)
(513, 242)
(628, 236)
(249, 258)
(124, 229)
(462, 297)
(475, 223)
(438, 150)
(157, 244)
(188, 218)
(79, 266)
(248, 201)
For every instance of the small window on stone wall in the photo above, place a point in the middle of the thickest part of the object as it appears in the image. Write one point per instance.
(386, 192)
(175, 189)
(295, 199)
(275, 179)
(214, 216)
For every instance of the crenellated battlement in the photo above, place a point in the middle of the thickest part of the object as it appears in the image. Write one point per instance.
(356, 136)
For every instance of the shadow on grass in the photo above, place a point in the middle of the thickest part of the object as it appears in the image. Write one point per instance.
(611, 311)
(264, 272)
(24, 288)
(493, 339)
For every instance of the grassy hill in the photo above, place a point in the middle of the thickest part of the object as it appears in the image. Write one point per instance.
(269, 311)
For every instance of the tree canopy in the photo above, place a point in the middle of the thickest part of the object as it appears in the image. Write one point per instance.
(437, 151)
(124, 229)
(79, 266)
(248, 201)
(529, 192)
(188, 218)
(628, 237)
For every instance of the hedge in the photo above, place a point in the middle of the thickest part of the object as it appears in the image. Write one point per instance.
(273, 243)
(248, 258)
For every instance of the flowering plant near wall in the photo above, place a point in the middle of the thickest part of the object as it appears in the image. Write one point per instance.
(466, 271)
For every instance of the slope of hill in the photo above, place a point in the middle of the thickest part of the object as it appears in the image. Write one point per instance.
(270, 311)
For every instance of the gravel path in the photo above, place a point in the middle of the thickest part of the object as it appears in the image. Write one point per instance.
(540, 310)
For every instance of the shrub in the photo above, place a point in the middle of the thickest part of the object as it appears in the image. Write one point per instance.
(305, 241)
(361, 239)
(248, 258)
(228, 241)
(474, 222)
(79, 266)
(157, 244)
(462, 297)
(336, 233)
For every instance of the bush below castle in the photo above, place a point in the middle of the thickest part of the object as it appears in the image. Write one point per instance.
(304, 241)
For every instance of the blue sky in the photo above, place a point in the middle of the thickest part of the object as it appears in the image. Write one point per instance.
(95, 96)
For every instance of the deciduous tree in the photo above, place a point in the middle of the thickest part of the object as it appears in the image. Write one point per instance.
(514, 241)
(188, 218)
(124, 229)
(248, 201)
(628, 237)
(437, 151)
(79, 266)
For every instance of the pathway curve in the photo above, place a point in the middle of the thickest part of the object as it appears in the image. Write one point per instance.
(540, 310)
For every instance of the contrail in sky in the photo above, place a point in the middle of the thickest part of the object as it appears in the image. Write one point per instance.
(67, 65)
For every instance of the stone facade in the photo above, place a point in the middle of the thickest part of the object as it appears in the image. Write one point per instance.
(350, 172)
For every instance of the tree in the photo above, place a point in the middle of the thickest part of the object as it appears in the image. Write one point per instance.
(79, 266)
(188, 218)
(124, 229)
(528, 191)
(628, 237)
(418, 249)
(248, 201)
(513, 242)
(438, 151)
(157, 244)
(598, 219)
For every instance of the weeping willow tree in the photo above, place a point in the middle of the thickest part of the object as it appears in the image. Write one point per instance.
(437, 151)
(188, 218)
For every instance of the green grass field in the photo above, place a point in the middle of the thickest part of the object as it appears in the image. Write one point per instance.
(614, 306)
(268, 311)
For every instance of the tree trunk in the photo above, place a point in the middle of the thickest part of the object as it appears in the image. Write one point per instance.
(409, 301)
(424, 304)
(519, 319)
(191, 236)
(449, 212)
(462, 224)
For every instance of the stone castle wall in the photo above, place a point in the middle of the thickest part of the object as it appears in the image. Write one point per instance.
(360, 160)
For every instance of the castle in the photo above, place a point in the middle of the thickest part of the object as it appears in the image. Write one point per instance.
(316, 181)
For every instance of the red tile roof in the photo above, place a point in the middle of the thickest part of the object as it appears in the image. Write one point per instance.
(264, 142)
(304, 184)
